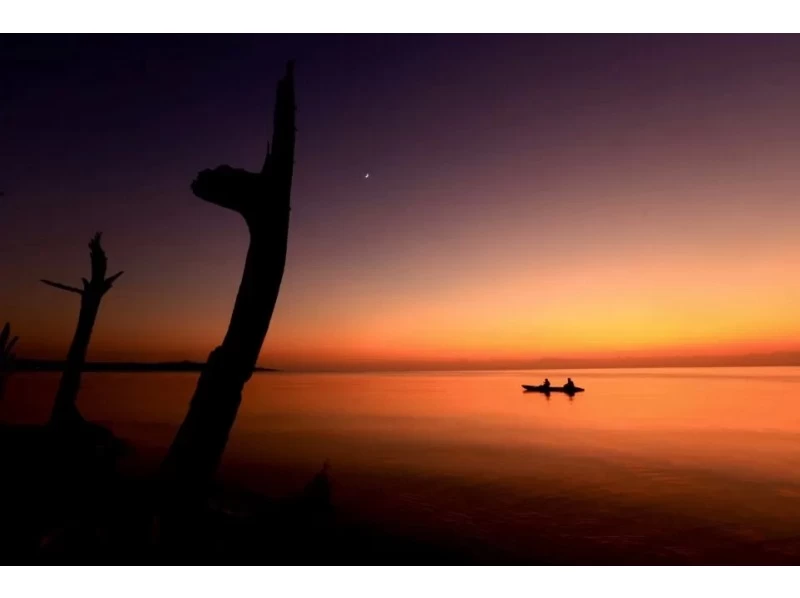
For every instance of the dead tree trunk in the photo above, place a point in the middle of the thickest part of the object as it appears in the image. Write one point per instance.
(263, 200)
(7, 343)
(65, 410)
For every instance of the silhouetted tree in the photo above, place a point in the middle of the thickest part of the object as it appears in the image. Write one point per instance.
(7, 343)
(263, 201)
(64, 410)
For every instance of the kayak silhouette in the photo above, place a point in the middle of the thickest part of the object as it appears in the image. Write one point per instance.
(547, 389)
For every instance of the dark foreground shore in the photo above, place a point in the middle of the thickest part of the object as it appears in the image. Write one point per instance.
(82, 500)
(93, 500)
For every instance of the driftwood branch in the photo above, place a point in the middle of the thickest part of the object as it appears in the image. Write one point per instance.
(7, 345)
(65, 411)
(98, 285)
(98, 258)
(263, 199)
(110, 280)
(6, 356)
(232, 188)
(64, 287)
(5, 334)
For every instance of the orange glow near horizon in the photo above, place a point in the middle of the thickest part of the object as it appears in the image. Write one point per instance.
(664, 297)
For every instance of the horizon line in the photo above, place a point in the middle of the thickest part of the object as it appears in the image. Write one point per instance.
(515, 369)
(772, 359)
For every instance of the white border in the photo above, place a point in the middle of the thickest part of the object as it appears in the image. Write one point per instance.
(428, 16)
(409, 16)
(396, 582)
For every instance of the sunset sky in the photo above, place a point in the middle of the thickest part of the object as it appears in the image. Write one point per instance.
(529, 197)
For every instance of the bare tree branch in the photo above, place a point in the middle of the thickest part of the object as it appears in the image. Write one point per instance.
(5, 334)
(263, 199)
(63, 287)
(65, 411)
(110, 280)
(98, 258)
(232, 188)
(10, 346)
(6, 346)
(6, 356)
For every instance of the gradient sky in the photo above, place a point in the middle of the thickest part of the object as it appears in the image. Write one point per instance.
(529, 197)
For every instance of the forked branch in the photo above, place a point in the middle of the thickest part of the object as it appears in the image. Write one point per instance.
(99, 285)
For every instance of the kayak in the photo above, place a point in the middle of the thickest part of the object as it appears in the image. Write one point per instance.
(552, 389)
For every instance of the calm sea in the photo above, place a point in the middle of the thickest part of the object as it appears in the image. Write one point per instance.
(663, 465)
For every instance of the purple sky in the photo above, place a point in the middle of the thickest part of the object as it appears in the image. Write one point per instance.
(491, 158)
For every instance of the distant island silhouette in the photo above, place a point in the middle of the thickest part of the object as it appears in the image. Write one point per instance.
(44, 365)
